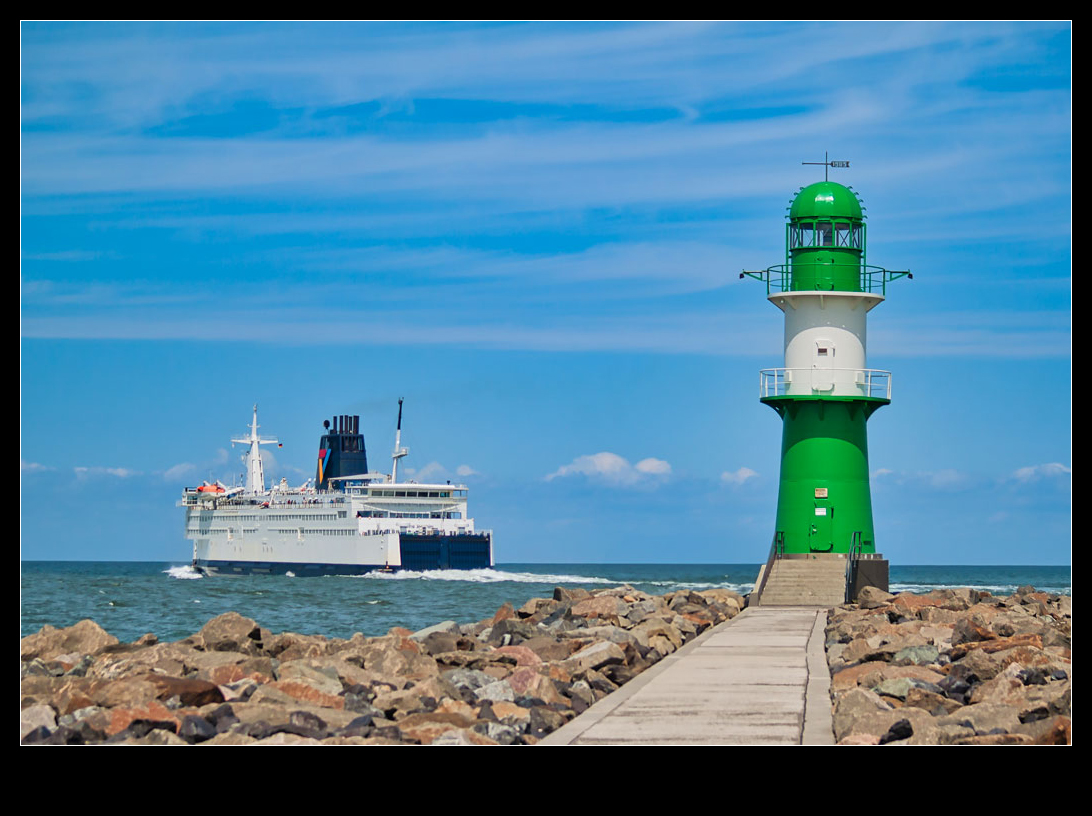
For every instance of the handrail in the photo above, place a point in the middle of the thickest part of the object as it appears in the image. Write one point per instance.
(868, 382)
(778, 278)
(777, 550)
(855, 548)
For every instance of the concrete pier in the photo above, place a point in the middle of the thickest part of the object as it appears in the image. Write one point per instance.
(760, 678)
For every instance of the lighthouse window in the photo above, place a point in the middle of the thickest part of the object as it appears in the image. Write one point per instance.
(843, 235)
(804, 235)
(825, 233)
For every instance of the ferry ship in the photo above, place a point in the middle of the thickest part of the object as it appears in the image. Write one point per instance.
(344, 521)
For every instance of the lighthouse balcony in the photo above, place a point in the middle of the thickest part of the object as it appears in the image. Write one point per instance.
(851, 383)
(826, 276)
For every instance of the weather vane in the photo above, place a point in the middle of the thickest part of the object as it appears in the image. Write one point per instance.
(829, 164)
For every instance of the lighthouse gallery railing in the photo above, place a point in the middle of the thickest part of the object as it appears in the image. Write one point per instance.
(781, 382)
(872, 279)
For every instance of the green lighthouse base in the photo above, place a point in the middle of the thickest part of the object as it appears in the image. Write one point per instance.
(824, 502)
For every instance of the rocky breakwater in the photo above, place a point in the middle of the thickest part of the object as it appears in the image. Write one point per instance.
(509, 679)
(953, 667)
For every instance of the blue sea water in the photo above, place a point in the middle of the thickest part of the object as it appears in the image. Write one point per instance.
(129, 599)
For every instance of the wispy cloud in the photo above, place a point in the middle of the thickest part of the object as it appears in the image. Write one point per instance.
(1034, 473)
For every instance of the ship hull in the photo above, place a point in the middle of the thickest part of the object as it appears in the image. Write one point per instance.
(416, 552)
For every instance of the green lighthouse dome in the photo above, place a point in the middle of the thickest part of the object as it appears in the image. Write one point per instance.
(826, 199)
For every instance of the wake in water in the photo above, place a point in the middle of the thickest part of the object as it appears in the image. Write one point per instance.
(485, 576)
(186, 573)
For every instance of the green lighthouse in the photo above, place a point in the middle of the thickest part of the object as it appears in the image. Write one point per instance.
(825, 393)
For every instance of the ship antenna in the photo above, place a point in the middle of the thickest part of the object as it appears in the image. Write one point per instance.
(399, 451)
(255, 473)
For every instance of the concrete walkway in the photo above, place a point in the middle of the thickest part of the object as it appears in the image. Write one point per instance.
(760, 678)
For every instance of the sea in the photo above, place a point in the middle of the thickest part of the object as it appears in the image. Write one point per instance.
(172, 601)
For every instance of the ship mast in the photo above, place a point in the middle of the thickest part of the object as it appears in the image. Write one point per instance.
(399, 451)
(255, 474)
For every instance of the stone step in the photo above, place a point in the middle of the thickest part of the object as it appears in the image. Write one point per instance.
(805, 582)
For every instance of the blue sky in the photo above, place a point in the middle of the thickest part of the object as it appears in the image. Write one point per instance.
(533, 233)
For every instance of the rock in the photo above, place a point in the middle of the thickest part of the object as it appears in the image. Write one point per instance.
(85, 637)
(873, 598)
(36, 716)
(444, 627)
(594, 656)
(190, 692)
(916, 655)
(230, 632)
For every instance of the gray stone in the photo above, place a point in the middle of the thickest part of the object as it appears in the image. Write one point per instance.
(36, 716)
(916, 655)
(446, 627)
(498, 690)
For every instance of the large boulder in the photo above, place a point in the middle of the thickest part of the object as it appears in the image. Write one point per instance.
(85, 637)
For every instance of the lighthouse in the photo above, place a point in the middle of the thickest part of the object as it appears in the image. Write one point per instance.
(824, 542)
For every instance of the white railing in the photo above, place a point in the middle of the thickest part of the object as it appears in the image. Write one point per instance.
(831, 382)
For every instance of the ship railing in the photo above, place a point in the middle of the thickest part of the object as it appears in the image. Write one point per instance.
(870, 279)
(839, 382)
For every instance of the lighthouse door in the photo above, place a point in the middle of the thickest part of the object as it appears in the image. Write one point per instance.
(820, 538)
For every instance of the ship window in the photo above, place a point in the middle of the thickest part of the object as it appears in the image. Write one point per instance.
(400, 493)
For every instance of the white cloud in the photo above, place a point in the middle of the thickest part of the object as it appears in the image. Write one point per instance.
(466, 470)
(179, 471)
(1033, 473)
(738, 477)
(653, 467)
(433, 471)
(89, 472)
(612, 469)
(33, 467)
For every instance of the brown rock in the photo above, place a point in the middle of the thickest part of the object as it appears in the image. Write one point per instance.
(550, 649)
(935, 704)
(522, 654)
(307, 693)
(190, 692)
(85, 637)
(604, 607)
(863, 674)
(1058, 731)
(230, 632)
(426, 727)
(993, 644)
(122, 717)
(529, 682)
(506, 612)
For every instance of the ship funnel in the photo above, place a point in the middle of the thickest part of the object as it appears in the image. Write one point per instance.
(341, 451)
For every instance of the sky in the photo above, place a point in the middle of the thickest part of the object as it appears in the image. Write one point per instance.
(533, 232)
